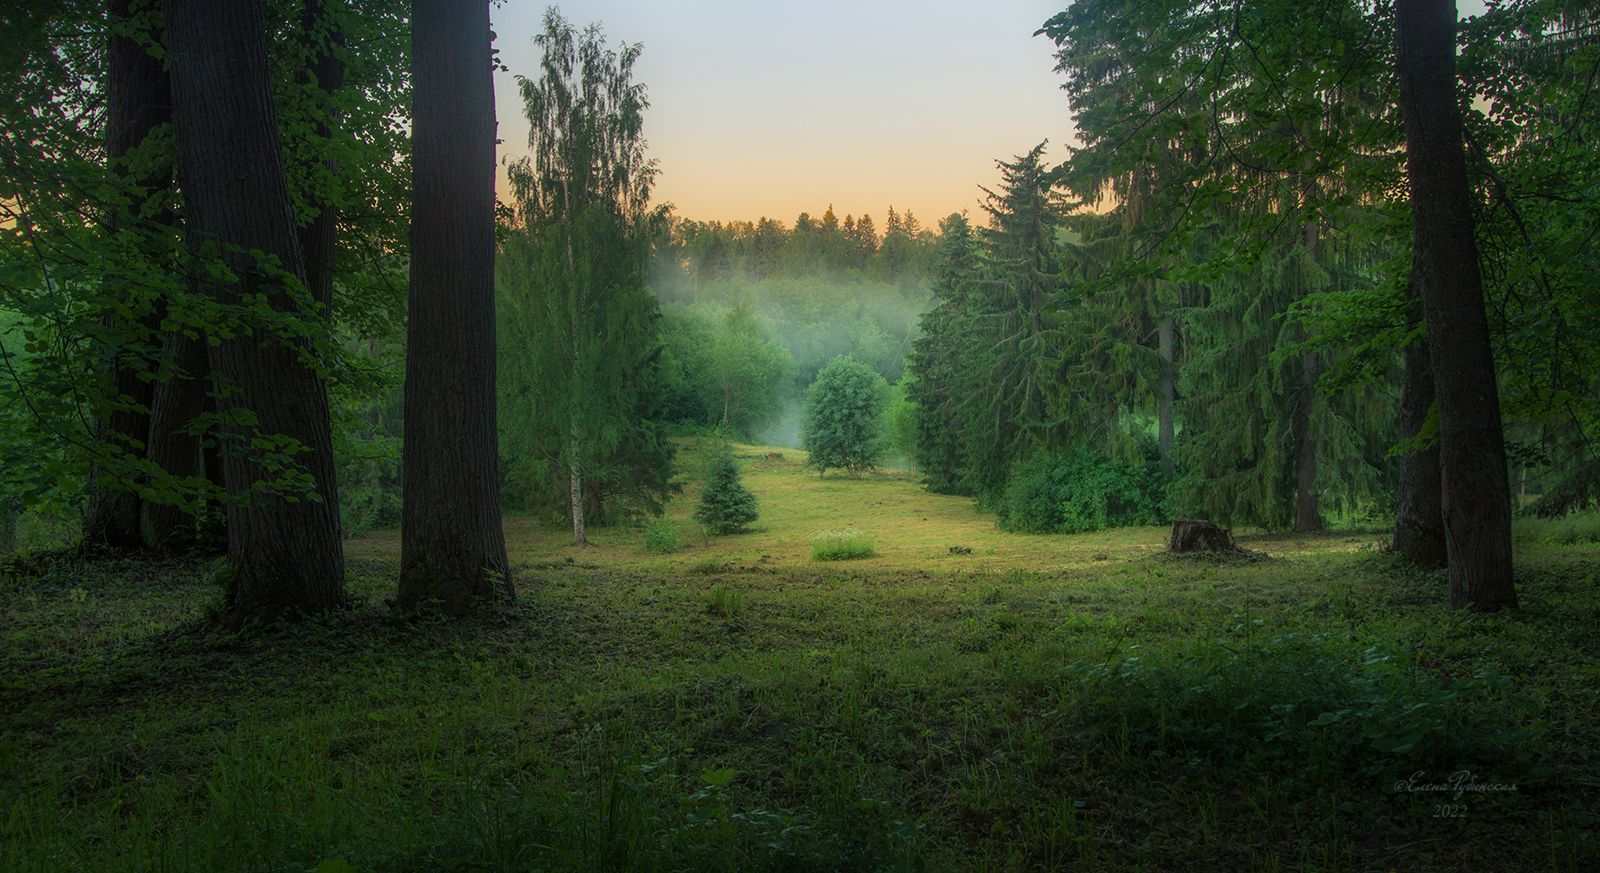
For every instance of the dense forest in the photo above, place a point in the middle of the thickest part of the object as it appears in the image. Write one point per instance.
(269, 337)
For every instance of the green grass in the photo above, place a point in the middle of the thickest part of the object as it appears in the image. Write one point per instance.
(848, 544)
(1068, 703)
(1579, 527)
(661, 537)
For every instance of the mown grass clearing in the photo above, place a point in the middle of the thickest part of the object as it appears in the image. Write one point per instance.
(1043, 703)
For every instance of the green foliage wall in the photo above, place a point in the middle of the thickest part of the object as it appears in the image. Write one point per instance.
(1082, 492)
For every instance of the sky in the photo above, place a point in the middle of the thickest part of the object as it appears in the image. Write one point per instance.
(762, 108)
(777, 107)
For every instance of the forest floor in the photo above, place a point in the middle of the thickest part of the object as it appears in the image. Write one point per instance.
(1044, 702)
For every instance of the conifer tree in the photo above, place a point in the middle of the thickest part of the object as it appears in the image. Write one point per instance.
(726, 506)
(940, 362)
(1005, 415)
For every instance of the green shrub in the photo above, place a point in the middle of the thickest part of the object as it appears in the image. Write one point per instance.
(841, 545)
(661, 537)
(726, 506)
(844, 419)
(1077, 493)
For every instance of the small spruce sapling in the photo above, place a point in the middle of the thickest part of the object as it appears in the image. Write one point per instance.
(726, 506)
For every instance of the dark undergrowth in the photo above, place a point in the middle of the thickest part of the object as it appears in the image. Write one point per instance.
(1324, 712)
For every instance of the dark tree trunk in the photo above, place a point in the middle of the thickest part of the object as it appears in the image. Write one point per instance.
(1476, 494)
(1418, 516)
(318, 238)
(177, 402)
(1307, 514)
(138, 100)
(8, 526)
(286, 550)
(453, 550)
(1167, 394)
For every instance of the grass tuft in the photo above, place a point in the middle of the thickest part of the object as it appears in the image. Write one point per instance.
(841, 545)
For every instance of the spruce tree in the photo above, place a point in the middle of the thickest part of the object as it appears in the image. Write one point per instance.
(726, 506)
(940, 359)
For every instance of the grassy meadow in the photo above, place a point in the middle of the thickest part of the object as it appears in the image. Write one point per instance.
(1029, 703)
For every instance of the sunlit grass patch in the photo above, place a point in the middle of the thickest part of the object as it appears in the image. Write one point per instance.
(847, 544)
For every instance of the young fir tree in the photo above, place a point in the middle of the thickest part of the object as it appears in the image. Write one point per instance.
(726, 506)
(844, 418)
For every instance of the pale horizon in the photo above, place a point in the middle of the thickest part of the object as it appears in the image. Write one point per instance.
(760, 111)
(770, 110)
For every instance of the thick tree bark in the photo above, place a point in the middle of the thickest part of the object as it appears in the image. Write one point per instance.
(175, 405)
(1418, 516)
(1167, 393)
(286, 550)
(138, 100)
(1476, 493)
(454, 550)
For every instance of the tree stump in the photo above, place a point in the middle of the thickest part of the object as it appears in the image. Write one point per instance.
(1189, 535)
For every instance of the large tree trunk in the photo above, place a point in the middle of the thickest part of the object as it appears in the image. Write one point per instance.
(138, 100)
(285, 549)
(1167, 393)
(1418, 516)
(177, 402)
(454, 550)
(1476, 494)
